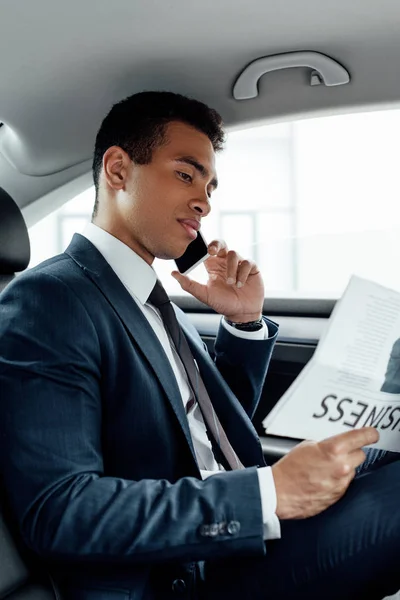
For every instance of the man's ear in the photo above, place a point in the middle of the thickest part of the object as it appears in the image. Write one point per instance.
(116, 164)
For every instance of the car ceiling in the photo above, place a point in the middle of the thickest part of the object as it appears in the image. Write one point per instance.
(63, 64)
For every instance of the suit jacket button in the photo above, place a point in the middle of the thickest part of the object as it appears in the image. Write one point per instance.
(205, 530)
(214, 530)
(179, 586)
(222, 528)
(233, 527)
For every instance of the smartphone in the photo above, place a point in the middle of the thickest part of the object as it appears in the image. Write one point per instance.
(194, 255)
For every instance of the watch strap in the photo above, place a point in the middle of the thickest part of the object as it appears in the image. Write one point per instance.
(249, 326)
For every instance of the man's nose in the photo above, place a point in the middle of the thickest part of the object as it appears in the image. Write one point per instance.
(201, 205)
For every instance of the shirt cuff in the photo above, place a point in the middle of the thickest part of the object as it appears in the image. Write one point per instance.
(261, 334)
(204, 474)
(272, 526)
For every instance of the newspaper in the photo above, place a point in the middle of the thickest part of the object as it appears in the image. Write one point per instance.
(353, 379)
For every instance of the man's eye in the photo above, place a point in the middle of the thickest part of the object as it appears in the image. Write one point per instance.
(185, 176)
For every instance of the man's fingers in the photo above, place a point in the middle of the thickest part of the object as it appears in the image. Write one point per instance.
(218, 248)
(356, 458)
(349, 441)
(347, 468)
(232, 262)
(195, 288)
(245, 268)
(237, 269)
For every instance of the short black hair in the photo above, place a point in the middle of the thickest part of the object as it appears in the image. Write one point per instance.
(137, 124)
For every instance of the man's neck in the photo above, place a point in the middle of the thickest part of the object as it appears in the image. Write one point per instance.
(125, 238)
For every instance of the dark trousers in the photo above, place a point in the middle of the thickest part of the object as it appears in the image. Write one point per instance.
(349, 552)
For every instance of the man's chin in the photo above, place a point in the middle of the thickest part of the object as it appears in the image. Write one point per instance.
(171, 254)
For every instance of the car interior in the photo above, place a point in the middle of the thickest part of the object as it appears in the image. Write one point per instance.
(63, 65)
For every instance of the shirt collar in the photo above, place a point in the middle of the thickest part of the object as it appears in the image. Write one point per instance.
(135, 273)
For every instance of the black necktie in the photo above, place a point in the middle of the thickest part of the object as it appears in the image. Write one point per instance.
(160, 300)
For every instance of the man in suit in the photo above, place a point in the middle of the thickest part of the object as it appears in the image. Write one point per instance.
(128, 454)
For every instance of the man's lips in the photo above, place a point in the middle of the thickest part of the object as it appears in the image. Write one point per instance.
(191, 226)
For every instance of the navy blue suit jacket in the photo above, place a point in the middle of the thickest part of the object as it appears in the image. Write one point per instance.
(95, 449)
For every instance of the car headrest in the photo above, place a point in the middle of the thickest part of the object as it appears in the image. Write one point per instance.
(15, 250)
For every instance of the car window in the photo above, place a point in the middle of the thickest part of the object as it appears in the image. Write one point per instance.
(311, 201)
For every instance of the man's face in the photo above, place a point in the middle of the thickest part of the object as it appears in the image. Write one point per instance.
(160, 207)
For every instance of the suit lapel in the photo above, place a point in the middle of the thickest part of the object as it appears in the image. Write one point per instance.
(99, 271)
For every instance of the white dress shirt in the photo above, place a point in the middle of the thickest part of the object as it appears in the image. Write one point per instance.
(139, 278)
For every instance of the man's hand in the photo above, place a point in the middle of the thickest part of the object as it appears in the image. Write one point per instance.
(315, 475)
(235, 287)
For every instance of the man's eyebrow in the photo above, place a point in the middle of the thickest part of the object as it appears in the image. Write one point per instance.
(189, 160)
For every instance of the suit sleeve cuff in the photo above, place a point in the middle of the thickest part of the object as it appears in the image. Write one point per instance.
(261, 334)
(272, 527)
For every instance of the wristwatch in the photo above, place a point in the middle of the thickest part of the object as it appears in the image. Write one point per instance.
(250, 326)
